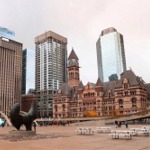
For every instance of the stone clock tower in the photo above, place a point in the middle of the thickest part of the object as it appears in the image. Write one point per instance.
(73, 70)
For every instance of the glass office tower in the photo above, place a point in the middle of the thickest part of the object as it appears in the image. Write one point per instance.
(28, 70)
(110, 54)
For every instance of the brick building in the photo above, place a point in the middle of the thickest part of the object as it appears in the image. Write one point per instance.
(128, 95)
(27, 100)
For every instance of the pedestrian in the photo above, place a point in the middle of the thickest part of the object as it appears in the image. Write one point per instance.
(116, 124)
(3, 124)
(119, 124)
(126, 124)
(34, 126)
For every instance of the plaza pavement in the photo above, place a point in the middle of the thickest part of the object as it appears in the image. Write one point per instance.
(68, 140)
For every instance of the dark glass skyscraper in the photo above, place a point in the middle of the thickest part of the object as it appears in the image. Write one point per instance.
(28, 70)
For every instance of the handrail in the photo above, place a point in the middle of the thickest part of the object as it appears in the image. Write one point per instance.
(6, 118)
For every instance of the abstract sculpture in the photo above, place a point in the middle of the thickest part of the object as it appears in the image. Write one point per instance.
(17, 118)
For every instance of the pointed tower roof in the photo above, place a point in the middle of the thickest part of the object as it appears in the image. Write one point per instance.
(99, 82)
(73, 55)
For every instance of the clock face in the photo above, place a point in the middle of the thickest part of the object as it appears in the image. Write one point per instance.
(73, 62)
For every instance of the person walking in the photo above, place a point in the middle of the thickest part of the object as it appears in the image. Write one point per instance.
(126, 124)
(34, 126)
(116, 124)
(119, 124)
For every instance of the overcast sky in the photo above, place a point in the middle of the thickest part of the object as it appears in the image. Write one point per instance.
(81, 22)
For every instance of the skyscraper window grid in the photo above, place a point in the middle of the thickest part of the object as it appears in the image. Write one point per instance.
(51, 70)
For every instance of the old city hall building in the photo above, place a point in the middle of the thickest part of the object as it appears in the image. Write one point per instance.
(128, 95)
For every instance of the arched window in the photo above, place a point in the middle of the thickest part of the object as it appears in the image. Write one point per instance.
(109, 93)
(120, 101)
(125, 83)
(63, 107)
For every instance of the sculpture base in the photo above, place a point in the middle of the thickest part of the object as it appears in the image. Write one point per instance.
(21, 133)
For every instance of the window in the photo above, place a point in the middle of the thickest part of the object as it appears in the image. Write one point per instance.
(126, 85)
(64, 107)
(133, 92)
(126, 93)
(56, 108)
(133, 100)
(120, 101)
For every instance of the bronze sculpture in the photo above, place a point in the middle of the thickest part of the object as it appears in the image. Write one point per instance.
(18, 119)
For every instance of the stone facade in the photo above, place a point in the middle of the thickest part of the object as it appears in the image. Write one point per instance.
(128, 95)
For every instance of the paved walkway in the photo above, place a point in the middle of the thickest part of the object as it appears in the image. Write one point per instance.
(68, 140)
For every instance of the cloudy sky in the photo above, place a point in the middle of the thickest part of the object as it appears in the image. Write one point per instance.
(81, 22)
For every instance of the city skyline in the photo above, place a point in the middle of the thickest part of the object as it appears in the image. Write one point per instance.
(81, 24)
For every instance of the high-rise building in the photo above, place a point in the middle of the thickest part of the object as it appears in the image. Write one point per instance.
(110, 54)
(51, 69)
(10, 73)
(4, 32)
(28, 70)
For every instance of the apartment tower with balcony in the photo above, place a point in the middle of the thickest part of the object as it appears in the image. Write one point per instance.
(50, 70)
